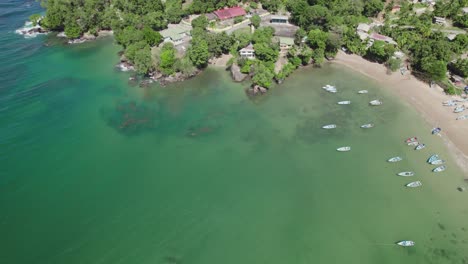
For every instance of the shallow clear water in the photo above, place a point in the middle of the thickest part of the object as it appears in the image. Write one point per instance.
(94, 170)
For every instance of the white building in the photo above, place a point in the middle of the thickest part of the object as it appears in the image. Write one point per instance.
(363, 31)
(247, 52)
(175, 34)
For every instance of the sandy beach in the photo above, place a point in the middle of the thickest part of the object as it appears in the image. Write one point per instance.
(426, 100)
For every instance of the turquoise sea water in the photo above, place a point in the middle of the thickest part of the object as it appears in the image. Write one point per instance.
(94, 170)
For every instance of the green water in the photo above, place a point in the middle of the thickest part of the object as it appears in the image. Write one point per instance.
(96, 171)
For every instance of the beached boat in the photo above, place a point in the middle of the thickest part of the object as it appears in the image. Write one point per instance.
(414, 184)
(406, 173)
(344, 102)
(375, 102)
(406, 243)
(344, 149)
(436, 130)
(395, 159)
(439, 169)
(362, 92)
(433, 158)
(331, 126)
(414, 143)
(437, 162)
(420, 146)
(459, 109)
(411, 139)
(370, 125)
(463, 117)
(449, 103)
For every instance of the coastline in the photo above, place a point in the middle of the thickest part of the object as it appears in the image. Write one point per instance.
(427, 101)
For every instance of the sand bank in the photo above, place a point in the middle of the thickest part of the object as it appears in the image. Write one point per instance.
(426, 100)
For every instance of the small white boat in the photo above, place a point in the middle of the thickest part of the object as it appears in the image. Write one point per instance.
(331, 126)
(344, 102)
(344, 149)
(395, 159)
(363, 92)
(414, 184)
(432, 158)
(463, 117)
(459, 109)
(449, 103)
(437, 162)
(375, 102)
(406, 173)
(370, 125)
(436, 130)
(414, 143)
(405, 243)
(420, 146)
(411, 139)
(330, 88)
(439, 169)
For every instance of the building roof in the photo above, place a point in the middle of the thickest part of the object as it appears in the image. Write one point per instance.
(279, 17)
(376, 36)
(248, 48)
(362, 35)
(211, 16)
(175, 32)
(363, 27)
(286, 40)
(231, 12)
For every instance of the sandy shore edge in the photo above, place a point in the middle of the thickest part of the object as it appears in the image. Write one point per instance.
(427, 101)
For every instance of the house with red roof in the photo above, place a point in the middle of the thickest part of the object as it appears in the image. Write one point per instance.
(230, 12)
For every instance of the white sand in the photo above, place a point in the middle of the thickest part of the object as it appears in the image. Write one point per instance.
(426, 100)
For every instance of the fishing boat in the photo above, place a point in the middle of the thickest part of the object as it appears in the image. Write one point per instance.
(420, 146)
(414, 143)
(432, 158)
(439, 169)
(344, 102)
(463, 117)
(459, 109)
(370, 125)
(329, 88)
(406, 173)
(437, 162)
(362, 92)
(375, 102)
(436, 130)
(414, 184)
(449, 103)
(411, 139)
(344, 149)
(405, 243)
(331, 126)
(395, 159)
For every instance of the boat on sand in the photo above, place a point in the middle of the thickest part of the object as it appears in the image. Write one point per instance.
(414, 184)
(406, 173)
(331, 126)
(459, 109)
(344, 149)
(463, 117)
(395, 159)
(405, 243)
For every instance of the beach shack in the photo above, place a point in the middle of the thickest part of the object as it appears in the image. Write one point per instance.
(284, 42)
(175, 34)
(440, 21)
(248, 52)
(362, 31)
(279, 20)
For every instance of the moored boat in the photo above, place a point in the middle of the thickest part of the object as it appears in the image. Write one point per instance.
(406, 173)
(395, 159)
(344, 149)
(432, 158)
(375, 102)
(370, 125)
(414, 143)
(405, 243)
(420, 146)
(344, 102)
(436, 130)
(411, 139)
(331, 126)
(437, 162)
(362, 92)
(439, 169)
(414, 184)
(463, 117)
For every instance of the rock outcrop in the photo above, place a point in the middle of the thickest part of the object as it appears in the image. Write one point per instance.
(237, 75)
